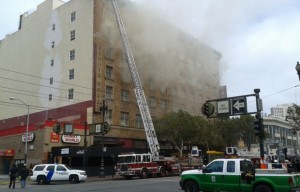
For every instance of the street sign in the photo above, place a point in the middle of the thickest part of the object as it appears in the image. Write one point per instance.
(98, 128)
(68, 129)
(239, 105)
(223, 107)
(259, 105)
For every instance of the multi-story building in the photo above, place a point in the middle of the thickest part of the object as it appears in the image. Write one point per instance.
(279, 135)
(280, 111)
(67, 58)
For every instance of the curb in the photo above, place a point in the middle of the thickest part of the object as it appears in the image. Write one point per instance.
(5, 181)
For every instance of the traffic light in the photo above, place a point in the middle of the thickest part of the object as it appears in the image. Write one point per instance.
(258, 125)
(57, 128)
(105, 127)
(207, 109)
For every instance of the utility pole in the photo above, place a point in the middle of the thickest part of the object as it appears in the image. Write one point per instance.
(85, 145)
(27, 125)
(103, 110)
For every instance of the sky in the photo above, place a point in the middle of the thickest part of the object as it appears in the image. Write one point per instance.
(259, 40)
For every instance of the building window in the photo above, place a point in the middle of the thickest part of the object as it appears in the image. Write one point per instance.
(163, 104)
(71, 74)
(71, 94)
(138, 121)
(73, 16)
(125, 95)
(72, 54)
(152, 102)
(109, 92)
(50, 97)
(124, 119)
(52, 62)
(53, 27)
(51, 80)
(109, 72)
(52, 44)
(72, 35)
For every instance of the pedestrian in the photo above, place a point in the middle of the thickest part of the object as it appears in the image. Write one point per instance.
(24, 174)
(12, 176)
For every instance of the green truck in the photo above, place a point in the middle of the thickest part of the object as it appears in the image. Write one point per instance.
(238, 175)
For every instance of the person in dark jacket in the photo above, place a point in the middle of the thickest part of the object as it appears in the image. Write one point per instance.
(12, 176)
(24, 174)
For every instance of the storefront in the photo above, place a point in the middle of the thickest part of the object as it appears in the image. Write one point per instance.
(7, 157)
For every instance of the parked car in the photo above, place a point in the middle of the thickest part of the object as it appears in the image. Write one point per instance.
(46, 173)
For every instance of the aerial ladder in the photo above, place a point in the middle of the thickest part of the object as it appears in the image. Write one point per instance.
(138, 88)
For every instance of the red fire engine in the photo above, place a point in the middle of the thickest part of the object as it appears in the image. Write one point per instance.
(143, 166)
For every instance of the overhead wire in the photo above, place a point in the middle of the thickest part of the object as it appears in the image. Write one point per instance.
(103, 92)
(280, 91)
(20, 81)
(44, 78)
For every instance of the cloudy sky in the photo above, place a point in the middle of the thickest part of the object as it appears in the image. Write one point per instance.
(259, 40)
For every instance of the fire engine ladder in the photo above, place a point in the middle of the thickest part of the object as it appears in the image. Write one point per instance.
(138, 89)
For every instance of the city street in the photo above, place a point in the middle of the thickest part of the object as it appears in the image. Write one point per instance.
(161, 184)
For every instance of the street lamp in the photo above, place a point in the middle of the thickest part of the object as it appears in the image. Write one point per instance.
(298, 69)
(26, 136)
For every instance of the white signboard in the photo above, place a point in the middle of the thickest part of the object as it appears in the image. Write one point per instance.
(68, 129)
(64, 151)
(29, 138)
(223, 107)
(71, 138)
(98, 128)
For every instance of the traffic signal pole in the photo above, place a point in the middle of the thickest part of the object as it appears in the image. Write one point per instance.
(103, 110)
(258, 116)
(231, 106)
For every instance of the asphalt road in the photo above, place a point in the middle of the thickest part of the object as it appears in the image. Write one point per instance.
(162, 184)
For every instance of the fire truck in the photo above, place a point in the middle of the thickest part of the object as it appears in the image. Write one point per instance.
(142, 165)
(132, 164)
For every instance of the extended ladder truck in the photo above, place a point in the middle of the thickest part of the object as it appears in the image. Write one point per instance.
(147, 164)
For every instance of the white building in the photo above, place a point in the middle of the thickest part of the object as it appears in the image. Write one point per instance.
(279, 134)
(280, 110)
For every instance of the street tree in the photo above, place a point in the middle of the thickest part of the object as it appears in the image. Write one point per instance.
(293, 116)
(178, 128)
(246, 130)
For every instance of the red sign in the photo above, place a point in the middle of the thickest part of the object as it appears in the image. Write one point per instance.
(7, 153)
(54, 138)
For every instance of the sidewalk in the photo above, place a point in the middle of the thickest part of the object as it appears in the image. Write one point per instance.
(4, 179)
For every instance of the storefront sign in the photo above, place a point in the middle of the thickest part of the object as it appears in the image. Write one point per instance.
(29, 137)
(70, 138)
(65, 151)
(7, 153)
(54, 138)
